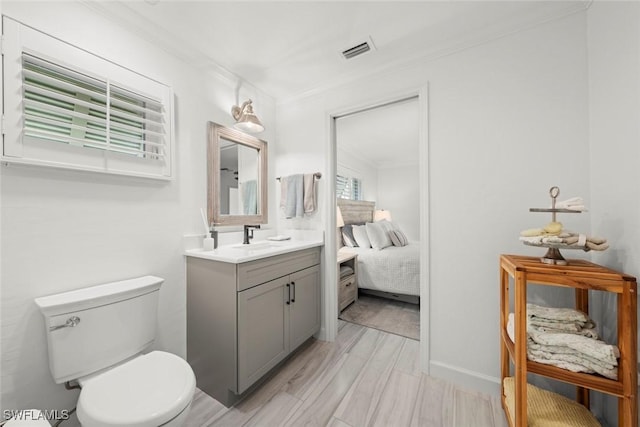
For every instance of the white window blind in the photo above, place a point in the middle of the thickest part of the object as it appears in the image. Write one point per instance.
(102, 118)
(348, 188)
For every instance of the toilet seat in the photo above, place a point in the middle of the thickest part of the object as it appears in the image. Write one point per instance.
(147, 391)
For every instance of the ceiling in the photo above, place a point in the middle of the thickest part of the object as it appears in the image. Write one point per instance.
(291, 49)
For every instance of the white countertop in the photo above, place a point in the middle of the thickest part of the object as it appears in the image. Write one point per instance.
(240, 253)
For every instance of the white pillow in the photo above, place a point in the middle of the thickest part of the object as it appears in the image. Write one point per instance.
(398, 238)
(378, 235)
(360, 234)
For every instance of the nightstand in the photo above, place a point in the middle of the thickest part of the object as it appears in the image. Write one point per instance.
(347, 285)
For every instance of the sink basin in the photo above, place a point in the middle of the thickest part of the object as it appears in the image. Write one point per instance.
(258, 246)
(239, 253)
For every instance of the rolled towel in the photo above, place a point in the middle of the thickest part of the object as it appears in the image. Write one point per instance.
(596, 247)
(532, 232)
(553, 228)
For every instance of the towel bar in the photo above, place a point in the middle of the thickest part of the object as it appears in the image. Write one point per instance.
(316, 175)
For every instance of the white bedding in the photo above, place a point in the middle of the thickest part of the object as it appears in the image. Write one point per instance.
(394, 269)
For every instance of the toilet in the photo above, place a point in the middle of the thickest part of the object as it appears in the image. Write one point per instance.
(96, 337)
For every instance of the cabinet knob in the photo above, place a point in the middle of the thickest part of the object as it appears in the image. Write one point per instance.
(293, 287)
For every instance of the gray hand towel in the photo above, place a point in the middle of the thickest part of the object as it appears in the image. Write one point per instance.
(294, 205)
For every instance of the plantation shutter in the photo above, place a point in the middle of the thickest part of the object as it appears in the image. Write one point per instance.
(65, 106)
(348, 188)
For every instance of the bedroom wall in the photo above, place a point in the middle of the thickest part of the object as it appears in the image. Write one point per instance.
(504, 118)
(614, 104)
(351, 165)
(64, 230)
(398, 192)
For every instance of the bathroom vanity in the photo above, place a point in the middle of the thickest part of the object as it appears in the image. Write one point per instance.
(248, 308)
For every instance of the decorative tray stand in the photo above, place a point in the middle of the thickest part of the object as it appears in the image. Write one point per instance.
(553, 255)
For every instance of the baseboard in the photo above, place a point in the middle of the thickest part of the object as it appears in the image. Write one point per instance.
(465, 378)
(412, 299)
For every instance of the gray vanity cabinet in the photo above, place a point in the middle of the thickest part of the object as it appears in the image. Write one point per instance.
(243, 319)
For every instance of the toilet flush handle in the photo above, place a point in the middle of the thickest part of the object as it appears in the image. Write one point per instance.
(70, 323)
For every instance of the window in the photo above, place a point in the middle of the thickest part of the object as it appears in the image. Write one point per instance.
(348, 188)
(94, 115)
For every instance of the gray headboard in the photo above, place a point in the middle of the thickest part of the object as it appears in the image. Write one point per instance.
(356, 211)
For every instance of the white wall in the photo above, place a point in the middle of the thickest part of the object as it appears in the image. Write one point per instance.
(507, 120)
(64, 230)
(398, 192)
(353, 166)
(614, 103)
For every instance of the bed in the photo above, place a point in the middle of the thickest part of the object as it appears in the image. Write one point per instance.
(394, 270)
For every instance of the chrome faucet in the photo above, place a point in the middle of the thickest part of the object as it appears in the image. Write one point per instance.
(248, 233)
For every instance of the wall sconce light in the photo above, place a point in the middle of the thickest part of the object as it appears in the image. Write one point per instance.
(381, 214)
(246, 120)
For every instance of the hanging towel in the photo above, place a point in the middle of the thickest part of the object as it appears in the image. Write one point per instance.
(309, 193)
(292, 198)
(250, 197)
(284, 181)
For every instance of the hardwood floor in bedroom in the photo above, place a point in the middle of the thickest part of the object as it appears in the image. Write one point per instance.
(365, 377)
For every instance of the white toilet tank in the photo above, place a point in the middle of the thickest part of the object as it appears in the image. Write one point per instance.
(93, 328)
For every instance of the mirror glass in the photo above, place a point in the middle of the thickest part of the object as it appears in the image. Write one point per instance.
(237, 175)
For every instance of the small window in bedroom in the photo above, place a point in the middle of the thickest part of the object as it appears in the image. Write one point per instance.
(68, 108)
(348, 188)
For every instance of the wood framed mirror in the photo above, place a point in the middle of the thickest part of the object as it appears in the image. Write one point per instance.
(236, 177)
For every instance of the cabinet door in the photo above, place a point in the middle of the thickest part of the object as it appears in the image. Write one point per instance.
(305, 304)
(263, 330)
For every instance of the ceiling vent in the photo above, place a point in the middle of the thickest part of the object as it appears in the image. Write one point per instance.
(359, 49)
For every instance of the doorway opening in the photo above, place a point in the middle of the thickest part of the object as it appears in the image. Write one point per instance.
(378, 214)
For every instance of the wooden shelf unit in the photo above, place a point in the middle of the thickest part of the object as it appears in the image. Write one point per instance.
(582, 276)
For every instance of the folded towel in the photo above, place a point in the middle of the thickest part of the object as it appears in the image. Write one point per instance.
(309, 193)
(567, 354)
(581, 354)
(560, 327)
(345, 271)
(574, 204)
(572, 363)
(552, 313)
(588, 346)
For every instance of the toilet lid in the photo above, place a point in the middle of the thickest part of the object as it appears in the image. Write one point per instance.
(147, 391)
